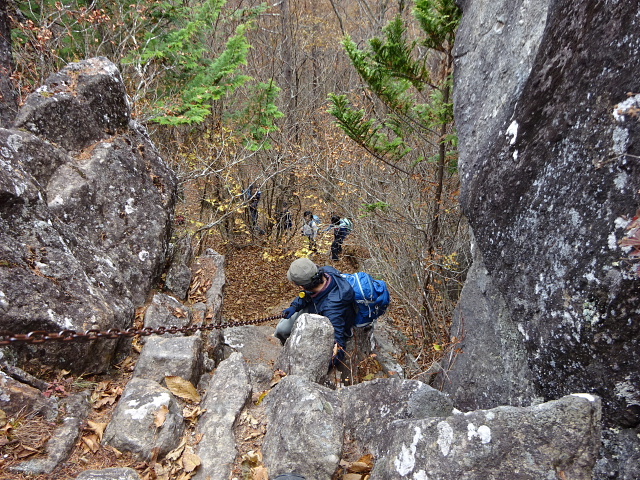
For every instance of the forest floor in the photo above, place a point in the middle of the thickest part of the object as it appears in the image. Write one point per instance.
(256, 287)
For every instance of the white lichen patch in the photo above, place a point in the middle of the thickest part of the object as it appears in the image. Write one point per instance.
(482, 432)
(512, 132)
(406, 461)
(57, 201)
(14, 142)
(590, 313)
(3, 300)
(445, 437)
(588, 396)
(621, 180)
(628, 391)
(612, 241)
(143, 255)
(128, 208)
(139, 412)
(523, 332)
(627, 107)
(620, 140)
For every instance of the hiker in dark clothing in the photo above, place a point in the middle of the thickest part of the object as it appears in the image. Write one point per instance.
(326, 293)
(340, 232)
(253, 196)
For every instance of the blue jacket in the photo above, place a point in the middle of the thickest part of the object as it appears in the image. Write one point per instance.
(336, 303)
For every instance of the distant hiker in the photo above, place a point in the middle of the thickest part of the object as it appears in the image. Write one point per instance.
(285, 220)
(324, 292)
(341, 228)
(310, 229)
(253, 195)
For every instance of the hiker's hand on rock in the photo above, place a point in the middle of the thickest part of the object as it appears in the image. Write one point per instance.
(288, 312)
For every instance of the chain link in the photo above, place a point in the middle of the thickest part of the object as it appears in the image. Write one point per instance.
(41, 336)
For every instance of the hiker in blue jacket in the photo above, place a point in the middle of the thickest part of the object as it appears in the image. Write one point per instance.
(326, 293)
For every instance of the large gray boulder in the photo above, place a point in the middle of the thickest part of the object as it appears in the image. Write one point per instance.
(147, 420)
(546, 106)
(307, 352)
(305, 429)
(554, 440)
(85, 214)
(370, 408)
(228, 392)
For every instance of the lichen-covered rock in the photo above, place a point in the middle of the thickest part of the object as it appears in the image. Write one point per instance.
(307, 352)
(83, 103)
(558, 439)
(85, 215)
(305, 429)
(147, 419)
(546, 105)
(370, 407)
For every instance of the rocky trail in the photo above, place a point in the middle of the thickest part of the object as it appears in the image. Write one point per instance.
(254, 288)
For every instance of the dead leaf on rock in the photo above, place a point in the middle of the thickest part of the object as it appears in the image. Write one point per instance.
(116, 452)
(182, 388)
(161, 416)
(192, 413)
(362, 465)
(25, 452)
(174, 454)
(252, 435)
(190, 460)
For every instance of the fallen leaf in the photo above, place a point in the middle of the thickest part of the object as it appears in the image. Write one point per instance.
(26, 452)
(109, 400)
(97, 427)
(252, 435)
(174, 454)
(252, 458)
(182, 388)
(3, 418)
(190, 460)
(359, 467)
(116, 452)
(192, 413)
(161, 416)
(92, 442)
(259, 473)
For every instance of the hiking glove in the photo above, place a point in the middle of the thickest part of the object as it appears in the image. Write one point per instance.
(289, 312)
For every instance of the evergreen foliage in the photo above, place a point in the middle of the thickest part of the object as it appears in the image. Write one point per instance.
(405, 120)
(399, 77)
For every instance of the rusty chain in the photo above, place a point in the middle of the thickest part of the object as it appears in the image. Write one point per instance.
(41, 336)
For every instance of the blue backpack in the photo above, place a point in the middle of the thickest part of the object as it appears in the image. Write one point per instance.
(372, 297)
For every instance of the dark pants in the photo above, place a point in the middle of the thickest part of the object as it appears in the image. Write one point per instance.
(336, 246)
